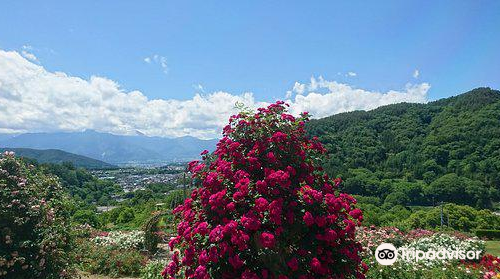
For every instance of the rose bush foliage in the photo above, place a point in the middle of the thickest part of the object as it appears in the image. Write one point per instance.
(264, 208)
(35, 239)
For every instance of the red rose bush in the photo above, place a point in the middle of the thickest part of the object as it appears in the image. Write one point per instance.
(264, 208)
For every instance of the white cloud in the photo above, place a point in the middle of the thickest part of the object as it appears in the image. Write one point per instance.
(160, 60)
(416, 73)
(298, 88)
(352, 74)
(343, 97)
(34, 99)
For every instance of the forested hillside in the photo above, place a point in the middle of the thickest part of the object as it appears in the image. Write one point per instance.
(58, 156)
(419, 154)
(82, 186)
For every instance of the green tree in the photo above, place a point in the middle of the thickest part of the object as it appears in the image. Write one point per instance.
(86, 216)
(126, 216)
(419, 142)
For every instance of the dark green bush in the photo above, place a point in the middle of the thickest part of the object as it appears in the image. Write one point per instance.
(458, 217)
(489, 234)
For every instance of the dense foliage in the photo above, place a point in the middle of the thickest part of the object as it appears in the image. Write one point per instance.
(264, 208)
(455, 217)
(488, 234)
(419, 154)
(153, 269)
(82, 185)
(461, 218)
(35, 236)
(134, 212)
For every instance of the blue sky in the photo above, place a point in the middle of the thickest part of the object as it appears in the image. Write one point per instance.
(262, 47)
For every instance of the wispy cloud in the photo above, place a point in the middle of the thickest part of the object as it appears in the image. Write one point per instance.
(199, 88)
(33, 99)
(348, 74)
(416, 73)
(159, 60)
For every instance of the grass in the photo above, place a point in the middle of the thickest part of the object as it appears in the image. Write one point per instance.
(493, 247)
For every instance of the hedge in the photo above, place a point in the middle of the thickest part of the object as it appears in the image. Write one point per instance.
(489, 234)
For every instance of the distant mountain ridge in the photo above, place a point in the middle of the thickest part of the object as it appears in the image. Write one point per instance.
(59, 156)
(114, 149)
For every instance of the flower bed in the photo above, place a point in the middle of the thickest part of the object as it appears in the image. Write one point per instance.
(109, 260)
(371, 237)
(424, 240)
(489, 266)
(416, 271)
(122, 240)
(446, 242)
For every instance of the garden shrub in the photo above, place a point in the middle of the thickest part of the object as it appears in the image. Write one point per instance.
(86, 216)
(264, 207)
(458, 217)
(35, 240)
(110, 260)
(153, 269)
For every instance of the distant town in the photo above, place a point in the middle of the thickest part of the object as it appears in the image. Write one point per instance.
(134, 178)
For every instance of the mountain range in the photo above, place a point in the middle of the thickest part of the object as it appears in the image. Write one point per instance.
(114, 149)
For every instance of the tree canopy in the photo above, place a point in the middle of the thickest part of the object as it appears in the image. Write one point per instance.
(447, 150)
